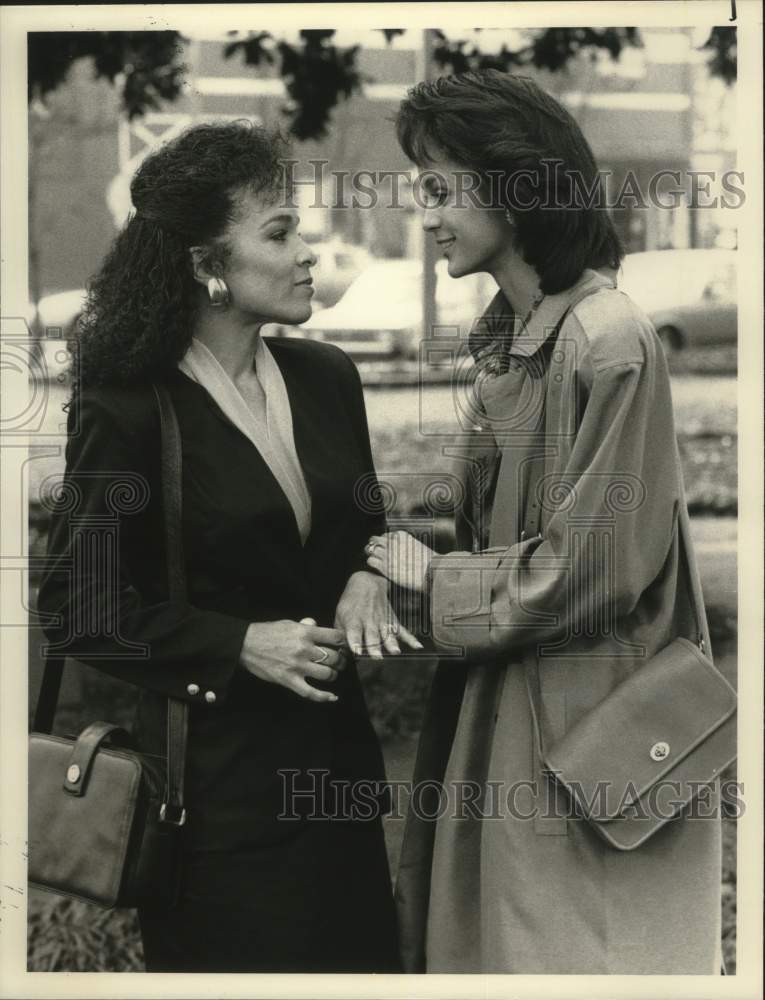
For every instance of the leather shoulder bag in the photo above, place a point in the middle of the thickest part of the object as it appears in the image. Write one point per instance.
(104, 820)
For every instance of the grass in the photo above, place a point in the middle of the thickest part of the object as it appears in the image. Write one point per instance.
(66, 935)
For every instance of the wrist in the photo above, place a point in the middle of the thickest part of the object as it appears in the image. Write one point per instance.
(249, 645)
(368, 575)
(424, 576)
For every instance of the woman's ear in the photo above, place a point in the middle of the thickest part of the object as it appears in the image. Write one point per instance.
(200, 262)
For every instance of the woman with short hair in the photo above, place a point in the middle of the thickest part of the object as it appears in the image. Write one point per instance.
(570, 565)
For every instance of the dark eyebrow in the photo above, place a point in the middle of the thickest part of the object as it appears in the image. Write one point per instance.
(283, 217)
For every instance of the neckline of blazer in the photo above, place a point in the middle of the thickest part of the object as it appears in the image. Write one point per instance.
(294, 395)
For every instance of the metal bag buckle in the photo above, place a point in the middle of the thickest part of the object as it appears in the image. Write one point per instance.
(177, 820)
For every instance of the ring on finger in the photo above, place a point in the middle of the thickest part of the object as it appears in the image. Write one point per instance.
(324, 657)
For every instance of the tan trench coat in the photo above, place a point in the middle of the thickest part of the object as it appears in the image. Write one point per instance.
(502, 881)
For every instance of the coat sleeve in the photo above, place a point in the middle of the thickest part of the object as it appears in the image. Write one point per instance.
(88, 594)
(611, 518)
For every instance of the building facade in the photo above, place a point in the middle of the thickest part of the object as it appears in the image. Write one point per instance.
(655, 109)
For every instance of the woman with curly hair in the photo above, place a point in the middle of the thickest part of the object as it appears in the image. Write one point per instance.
(572, 570)
(277, 874)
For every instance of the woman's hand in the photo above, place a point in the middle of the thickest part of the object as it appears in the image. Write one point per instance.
(401, 558)
(288, 653)
(369, 622)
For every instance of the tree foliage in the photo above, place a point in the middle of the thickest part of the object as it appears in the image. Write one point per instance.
(148, 64)
(550, 49)
(722, 43)
(317, 74)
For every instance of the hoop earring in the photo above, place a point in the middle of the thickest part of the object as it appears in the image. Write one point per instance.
(219, 294)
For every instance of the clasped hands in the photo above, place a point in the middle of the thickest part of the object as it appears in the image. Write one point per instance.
(364, 612)
(292, 654)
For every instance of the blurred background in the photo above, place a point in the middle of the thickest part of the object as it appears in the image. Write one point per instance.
(648, 100)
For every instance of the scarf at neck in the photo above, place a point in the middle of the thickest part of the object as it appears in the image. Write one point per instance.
(273, 437)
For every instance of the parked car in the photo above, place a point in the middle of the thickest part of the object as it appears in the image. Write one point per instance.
(380, 316)
(689, 295)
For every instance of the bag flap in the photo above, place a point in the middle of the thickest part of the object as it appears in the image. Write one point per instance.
(642, 730)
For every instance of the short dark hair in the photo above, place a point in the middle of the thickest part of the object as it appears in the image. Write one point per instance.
(499, 124)
(138, 317)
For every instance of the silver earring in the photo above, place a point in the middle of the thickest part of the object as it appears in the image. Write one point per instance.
(219, 294)
(509, 217)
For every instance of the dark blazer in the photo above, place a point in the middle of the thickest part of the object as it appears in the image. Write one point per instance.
(245, 563)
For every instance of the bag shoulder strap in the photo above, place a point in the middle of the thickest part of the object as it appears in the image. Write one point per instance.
(177, 710)
(47, 699)
(694, 580)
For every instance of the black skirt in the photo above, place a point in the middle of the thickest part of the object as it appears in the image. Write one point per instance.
(320, 901)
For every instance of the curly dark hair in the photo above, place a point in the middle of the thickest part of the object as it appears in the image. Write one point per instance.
(139, 315)
(501, 125)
